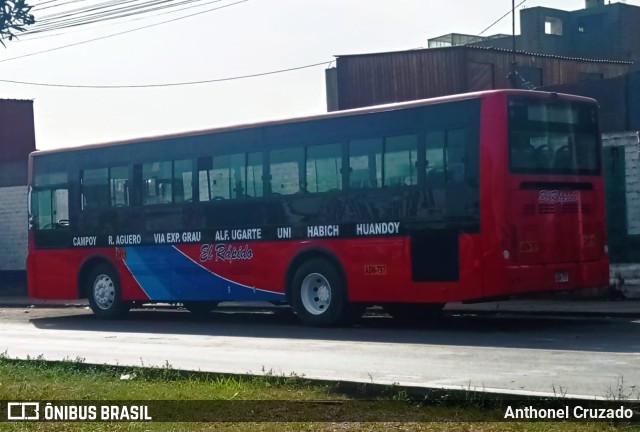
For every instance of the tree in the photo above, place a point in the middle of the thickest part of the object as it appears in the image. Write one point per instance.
(14, 16)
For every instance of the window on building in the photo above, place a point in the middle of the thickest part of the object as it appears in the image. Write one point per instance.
(439, 44)
(553, 26)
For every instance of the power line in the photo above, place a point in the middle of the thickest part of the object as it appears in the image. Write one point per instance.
(102, 12)
(38, 6)
(495, 22)
(234, 78)
(110, 10)
(147, 16)
(502, 17)
(122, 32)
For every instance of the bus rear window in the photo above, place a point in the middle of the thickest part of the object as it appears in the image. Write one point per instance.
(556, 137)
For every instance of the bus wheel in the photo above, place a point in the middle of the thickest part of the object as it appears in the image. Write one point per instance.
(319, 294)
(200, 308)
(414, 312)
(103, 290)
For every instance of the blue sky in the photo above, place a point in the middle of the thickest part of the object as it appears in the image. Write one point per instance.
(251, 37)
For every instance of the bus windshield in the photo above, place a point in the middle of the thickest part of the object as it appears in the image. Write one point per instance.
(553, 137)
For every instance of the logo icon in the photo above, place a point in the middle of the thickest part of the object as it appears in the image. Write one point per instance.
(556, 196)
(23, 411)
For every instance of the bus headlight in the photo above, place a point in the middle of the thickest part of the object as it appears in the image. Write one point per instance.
(606, 249)
(506, 254)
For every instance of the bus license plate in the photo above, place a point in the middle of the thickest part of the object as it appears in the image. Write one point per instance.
(562, 276)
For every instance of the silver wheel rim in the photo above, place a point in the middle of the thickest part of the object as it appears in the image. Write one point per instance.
(104, 292)
(315, 292)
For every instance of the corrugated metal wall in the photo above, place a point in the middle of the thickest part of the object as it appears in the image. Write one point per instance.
(400, 76)
(373, 79)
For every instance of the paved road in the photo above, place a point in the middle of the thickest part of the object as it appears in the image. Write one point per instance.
(588, 357)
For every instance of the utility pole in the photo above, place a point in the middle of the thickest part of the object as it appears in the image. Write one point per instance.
(512, 75)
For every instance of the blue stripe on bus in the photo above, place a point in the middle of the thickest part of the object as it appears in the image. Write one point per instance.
(164, 273)
(153, 282)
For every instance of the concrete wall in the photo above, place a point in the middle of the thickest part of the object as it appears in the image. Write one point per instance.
(13, 239)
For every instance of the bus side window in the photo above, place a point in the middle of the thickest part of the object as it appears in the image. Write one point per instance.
(435, 158)
(104, 187)
(182, 173)
(119, 186)
(400, 160)
(95, 188)
(284, 166)
(230, 176)
(157, 182)
(324, 163)
(50, 208)
(455, 155)
(205, 165)
(50, 201)
(220, 177)
(237, 175)
(365, 163)
(254, 174)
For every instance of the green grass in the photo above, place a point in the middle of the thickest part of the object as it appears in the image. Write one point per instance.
(36, 379)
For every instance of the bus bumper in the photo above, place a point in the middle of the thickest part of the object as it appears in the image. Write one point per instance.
(558, 277)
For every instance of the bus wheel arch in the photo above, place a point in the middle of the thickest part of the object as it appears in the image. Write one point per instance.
(85, 271)
(316, 289)
(100, 283)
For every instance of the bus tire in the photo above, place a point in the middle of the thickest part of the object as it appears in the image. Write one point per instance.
(319, 294)
(200, 308)
(103, 291)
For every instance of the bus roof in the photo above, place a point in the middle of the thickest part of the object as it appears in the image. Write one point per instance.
(329, 115)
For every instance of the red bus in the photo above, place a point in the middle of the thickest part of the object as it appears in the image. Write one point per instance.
(408, 206)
